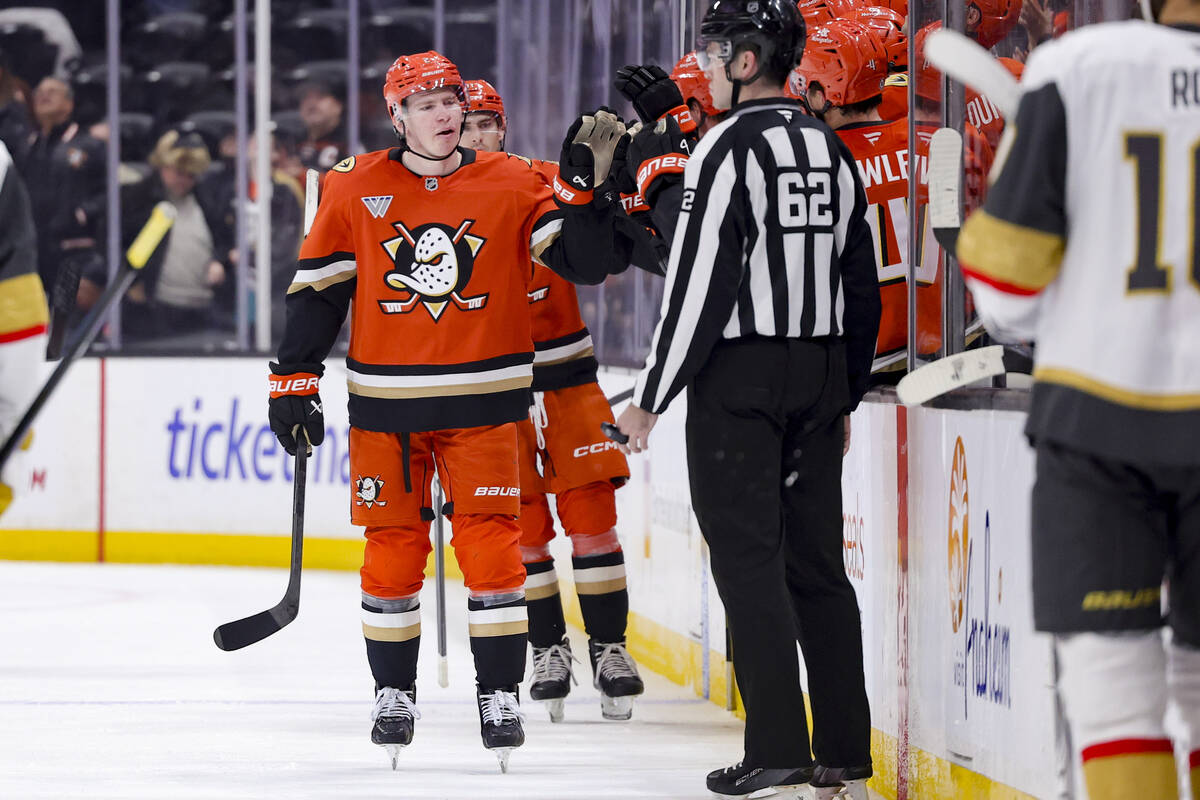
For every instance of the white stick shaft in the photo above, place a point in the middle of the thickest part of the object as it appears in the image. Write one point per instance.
(967, 62)
(310, 199)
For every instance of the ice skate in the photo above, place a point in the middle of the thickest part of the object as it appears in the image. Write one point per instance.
(842, 783)
(616, 676)
(394, 715)
(500, 721)
(742, 780)
(552, 677)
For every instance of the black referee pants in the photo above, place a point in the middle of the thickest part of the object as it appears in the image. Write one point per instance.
(764, 443)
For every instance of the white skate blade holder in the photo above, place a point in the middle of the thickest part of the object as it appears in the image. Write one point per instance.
(555, 708)
(393, 751)
(616, 708)
(799, 791)
(502, 754)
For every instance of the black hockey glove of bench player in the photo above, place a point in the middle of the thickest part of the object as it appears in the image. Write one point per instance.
(657, 155)
(587, 155)
(654, 95)
(295, 401)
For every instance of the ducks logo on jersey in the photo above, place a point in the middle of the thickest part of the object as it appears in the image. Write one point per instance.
(433, 265)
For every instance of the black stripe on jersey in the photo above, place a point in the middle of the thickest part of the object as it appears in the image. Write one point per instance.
(730, 237)
(776, 258)
(414, 415)
(323, 314)
(570, 338)
(576, 372)
(324, 261)
(808, 311)
(483, 365)
(1030, 190)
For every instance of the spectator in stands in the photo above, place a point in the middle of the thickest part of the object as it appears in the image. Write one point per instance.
(16, 123)
(287, 218)
(64, 169)
(321, 109)
(176, 290)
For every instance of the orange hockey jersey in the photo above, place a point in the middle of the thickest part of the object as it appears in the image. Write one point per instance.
(438, 269)
(881, 151)
(983, 114)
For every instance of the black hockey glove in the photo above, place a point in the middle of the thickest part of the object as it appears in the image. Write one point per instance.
(623, 172)
(654, 95)
(659, 154)
(587, 155)
(295, 401)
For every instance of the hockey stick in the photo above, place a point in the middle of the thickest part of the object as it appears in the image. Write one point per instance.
(961, 369)
(945, 171)
(439, 561)
(147, 241)
(621, 396)
(310, 199)
(248, 630)
(967, 62)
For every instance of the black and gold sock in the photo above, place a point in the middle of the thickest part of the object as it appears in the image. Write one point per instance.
(392, 628)
(603, 598)
(546, 624)
(499, 626)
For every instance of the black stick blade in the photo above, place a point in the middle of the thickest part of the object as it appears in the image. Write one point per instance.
(242, 632)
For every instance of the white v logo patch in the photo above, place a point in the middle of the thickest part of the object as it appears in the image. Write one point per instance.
(378, 206)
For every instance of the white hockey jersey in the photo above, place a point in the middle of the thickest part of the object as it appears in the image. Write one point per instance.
(1087, 241)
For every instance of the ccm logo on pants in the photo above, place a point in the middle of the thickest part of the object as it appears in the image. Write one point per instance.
(592, 449)
(497, 491)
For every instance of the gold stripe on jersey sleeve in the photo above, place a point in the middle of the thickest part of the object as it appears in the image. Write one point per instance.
(323, 283)
(22, 303)
(1114, 394)
(413, 392)
(1010, 253)
(590, 351)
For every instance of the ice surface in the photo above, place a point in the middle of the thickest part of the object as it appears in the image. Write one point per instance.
(111, 687)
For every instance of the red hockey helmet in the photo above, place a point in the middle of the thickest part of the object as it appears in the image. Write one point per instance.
(482, 96)
(899, 6)
(996, 19)
(420, 72)
(847, 59)
(926, 78)
(815, 12)
(889, 27)
(693, 83)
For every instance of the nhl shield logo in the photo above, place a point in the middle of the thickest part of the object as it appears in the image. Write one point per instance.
(432, 265)
(431, 184)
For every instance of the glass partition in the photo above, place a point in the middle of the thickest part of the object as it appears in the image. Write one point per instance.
(102, 126)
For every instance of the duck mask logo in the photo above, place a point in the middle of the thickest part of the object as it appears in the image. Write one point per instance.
(433, 265)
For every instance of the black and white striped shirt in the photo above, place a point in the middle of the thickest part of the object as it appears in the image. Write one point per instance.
(770, 241)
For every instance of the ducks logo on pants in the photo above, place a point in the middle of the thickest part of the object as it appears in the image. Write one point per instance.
(433, 265)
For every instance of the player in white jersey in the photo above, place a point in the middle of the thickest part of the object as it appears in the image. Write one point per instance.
(23, 313)
(1087, 244)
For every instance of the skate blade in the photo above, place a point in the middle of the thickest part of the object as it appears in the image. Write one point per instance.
(798, 791)
(555, 707)
(617, 708)
(502, 754)
(393, 751)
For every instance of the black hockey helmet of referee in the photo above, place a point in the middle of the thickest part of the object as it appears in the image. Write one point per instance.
(774, 29)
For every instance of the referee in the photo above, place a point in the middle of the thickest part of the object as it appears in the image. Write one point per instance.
(769, 320)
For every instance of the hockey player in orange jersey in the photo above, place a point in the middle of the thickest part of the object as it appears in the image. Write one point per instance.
(564, 454)
(843, 72)
(433, 243)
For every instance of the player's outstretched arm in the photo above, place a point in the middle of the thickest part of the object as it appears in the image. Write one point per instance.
(581, 240)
